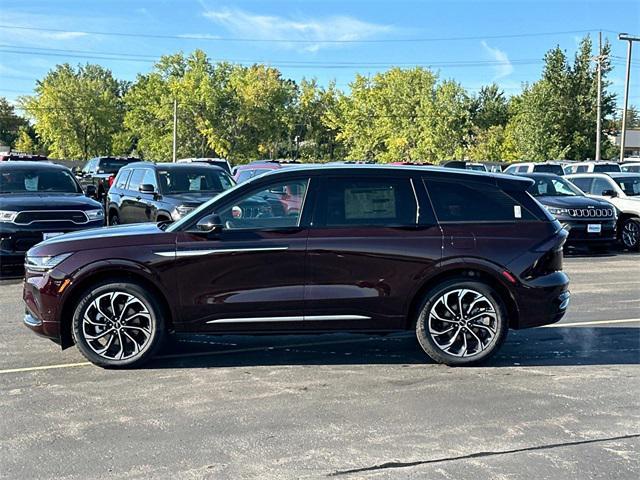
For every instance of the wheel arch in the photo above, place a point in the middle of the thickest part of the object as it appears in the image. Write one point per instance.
(112, 272)
(465, 271)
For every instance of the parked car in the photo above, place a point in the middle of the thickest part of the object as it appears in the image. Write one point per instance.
(535, 167)
(589, 221)
(162, 192)
(101, 172)
(458, 257)
(623, 191)
(218, 162)
(242, 173)
(478, 167)
(633, 167)
(591, 167)
(39, 200)
(21, 157)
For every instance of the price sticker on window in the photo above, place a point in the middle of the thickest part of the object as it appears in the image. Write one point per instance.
(517, 211)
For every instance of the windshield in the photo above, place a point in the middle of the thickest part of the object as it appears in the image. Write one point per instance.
(553, 187)
(477, 168)
(34, 180)
(193, 180)
(629, 185)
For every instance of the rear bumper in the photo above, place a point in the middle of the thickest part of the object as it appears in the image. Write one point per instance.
(543, 300)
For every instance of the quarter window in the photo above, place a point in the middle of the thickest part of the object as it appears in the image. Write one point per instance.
(474, 202)
(123, 176)
(368, 202)
(277, 206)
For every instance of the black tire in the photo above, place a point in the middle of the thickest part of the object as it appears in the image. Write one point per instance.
(630, 234)
(496, 320)
(147, 328)
(114, 219)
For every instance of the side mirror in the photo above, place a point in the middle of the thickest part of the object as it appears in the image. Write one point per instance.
(147, 188)
(210, 224)
(91, 191)
(609, 193)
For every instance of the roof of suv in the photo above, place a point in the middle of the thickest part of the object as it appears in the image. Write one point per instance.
(18, 165)
(394, 169)
(177, 165)
(603, 174)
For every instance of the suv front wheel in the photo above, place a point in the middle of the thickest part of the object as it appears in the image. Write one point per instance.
(118, 324)
(461, 323)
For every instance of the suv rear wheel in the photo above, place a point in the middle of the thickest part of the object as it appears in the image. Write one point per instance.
(118, 324)
(461, 323)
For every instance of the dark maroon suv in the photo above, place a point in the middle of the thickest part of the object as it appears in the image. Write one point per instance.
(459, 257)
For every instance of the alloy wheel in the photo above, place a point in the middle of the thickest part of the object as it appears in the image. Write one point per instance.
(463, 323)
(117, 326)
(631, 234)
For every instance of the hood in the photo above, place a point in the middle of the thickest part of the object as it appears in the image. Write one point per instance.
(573, 202)
(192, 199)
(47, 201)
(106, 237)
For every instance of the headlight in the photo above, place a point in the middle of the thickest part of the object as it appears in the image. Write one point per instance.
(44, 264)
(557, 211)
(184, 210)
(7, 216)
(95, 214)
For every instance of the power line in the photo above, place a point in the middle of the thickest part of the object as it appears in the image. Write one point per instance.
(301, 41)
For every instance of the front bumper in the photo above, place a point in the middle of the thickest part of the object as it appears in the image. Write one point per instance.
(579, 234)
(15, 240)
(42, 301)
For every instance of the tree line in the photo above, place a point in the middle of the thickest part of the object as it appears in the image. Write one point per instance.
(245, 113)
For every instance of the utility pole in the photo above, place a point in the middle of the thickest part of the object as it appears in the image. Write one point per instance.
(630, 39)
(175, 130)
(599, 105)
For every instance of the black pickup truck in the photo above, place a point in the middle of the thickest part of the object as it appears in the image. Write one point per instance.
(100, 172)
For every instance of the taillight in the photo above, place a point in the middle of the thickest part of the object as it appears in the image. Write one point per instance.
(111, 179)
(549, 262)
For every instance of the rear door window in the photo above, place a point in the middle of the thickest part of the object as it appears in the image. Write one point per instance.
(454, 201)
(371, 201)
(136, 179)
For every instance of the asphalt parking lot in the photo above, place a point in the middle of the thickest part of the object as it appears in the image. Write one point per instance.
(559, 402)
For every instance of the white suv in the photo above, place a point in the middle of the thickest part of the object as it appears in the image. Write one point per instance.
(591, 167)
(623, 191)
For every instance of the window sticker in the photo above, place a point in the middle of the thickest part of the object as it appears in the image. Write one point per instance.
(371, 202)
(517, 211)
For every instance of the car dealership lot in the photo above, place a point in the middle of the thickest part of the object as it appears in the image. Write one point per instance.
(563, 402)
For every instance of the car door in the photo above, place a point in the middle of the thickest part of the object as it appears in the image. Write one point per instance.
(370, 243)
(250, 276)
(129, 211)
(144, 206)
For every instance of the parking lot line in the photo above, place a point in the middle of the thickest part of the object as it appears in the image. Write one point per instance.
(295, 345)
(598, 322)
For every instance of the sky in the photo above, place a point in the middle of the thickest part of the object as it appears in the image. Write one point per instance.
(473, 42)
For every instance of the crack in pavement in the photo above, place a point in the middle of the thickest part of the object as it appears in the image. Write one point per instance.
(388, 465)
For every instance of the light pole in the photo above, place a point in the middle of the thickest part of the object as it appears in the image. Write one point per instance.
(630, 39)
(175, 130)
(599, 105)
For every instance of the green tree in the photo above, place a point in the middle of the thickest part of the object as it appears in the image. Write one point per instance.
(490, 107)
(488, 145)
(10, 123)
(25, 141)
(77, 111)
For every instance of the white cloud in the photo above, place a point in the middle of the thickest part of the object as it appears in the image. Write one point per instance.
(61, 35)
(287, 30)
(503, 67)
